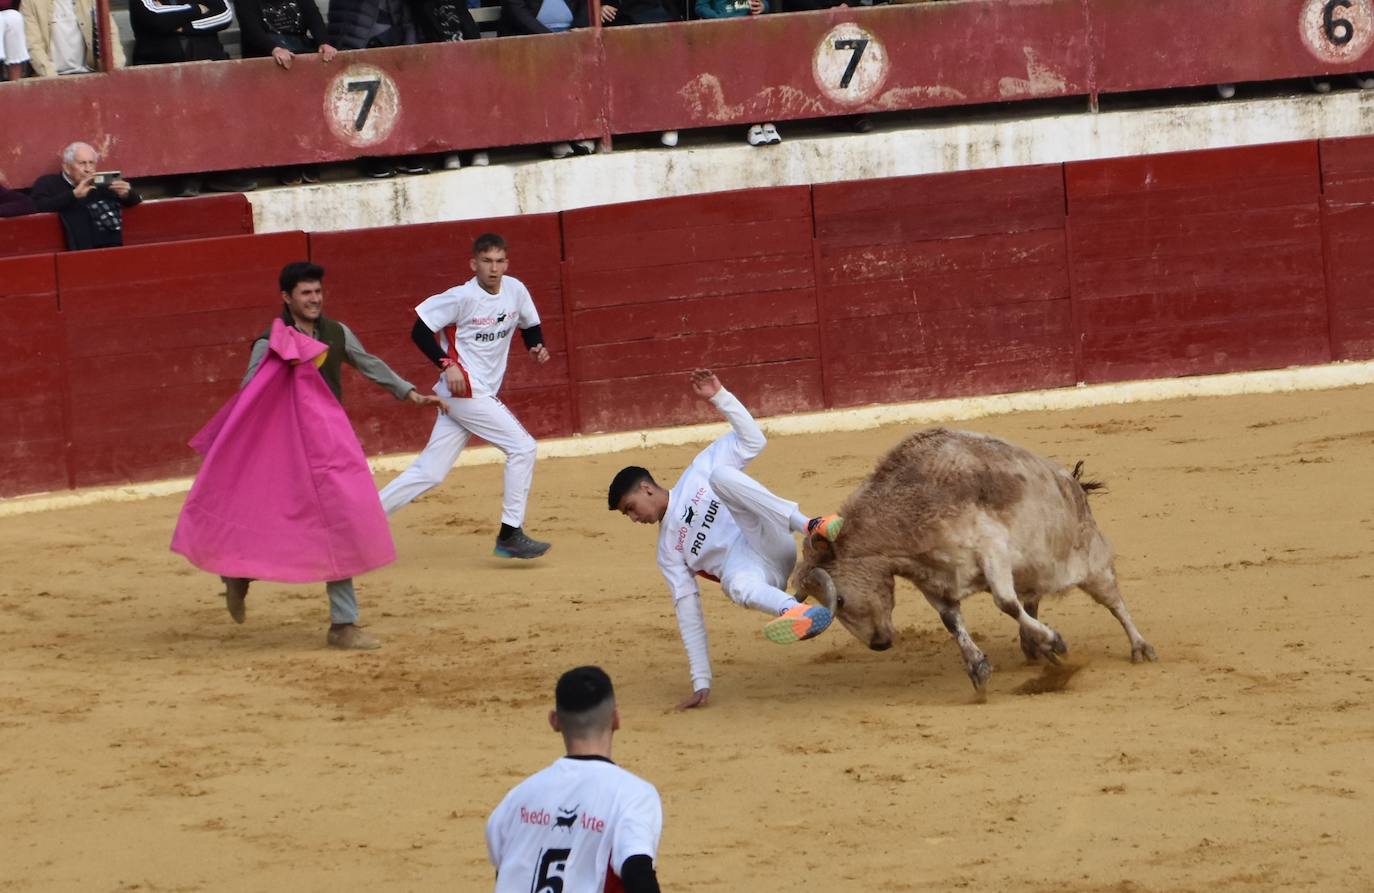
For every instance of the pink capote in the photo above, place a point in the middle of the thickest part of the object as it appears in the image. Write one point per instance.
(284, 492)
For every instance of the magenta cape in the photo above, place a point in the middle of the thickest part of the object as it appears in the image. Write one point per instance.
(284, 492)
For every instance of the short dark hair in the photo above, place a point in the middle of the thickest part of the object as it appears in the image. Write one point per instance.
(486, 242)
(299, 271)
(584, 700)
(624, 481)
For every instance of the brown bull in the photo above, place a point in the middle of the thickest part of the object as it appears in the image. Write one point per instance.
(956, 513)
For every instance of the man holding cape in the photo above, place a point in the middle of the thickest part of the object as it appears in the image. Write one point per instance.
(284, 493)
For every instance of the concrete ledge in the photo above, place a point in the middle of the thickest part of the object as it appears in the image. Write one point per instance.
(1278, 381)
(956, 141)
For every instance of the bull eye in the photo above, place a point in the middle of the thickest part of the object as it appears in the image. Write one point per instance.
(839, 602)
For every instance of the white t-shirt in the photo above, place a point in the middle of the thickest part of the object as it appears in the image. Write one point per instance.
(571, 826)
(697, 530)
(475, 329)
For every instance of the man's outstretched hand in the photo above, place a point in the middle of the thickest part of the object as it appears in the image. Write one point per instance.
(705, 384)
(425, 399)
(698, 698)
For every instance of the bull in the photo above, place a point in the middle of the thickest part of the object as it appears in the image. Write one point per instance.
(955, 513)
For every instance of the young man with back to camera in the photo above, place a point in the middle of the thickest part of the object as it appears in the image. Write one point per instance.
(465, 331)
(582, 823)
(719, 523)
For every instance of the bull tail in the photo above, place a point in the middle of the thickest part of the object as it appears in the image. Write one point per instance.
(1087, 486)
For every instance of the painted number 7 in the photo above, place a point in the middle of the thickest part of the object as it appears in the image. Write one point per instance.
(370, 89)
(857, 45)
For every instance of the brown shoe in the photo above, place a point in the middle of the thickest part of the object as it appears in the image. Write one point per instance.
(351, 638)
(235, 592)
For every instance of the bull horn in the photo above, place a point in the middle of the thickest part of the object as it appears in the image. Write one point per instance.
(820, 581)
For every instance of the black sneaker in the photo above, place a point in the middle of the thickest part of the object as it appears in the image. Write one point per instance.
(517, 545)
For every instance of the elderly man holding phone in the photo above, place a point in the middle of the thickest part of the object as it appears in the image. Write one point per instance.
(89, 202)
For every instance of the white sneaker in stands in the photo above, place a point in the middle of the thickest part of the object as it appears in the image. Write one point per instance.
(561, 150)
(452, 162)
(668, 138)
(770, 133)
(756, 136)
(480, 159)
(1226, 91)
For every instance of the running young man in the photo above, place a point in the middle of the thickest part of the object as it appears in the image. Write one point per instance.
(723, 525)
(466, 332)
(570, 825)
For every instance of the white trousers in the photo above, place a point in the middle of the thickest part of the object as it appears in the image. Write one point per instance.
(13, 47)
(489, 419)
(758, 565)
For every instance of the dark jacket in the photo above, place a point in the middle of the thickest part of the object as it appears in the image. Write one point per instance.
(351, 23)
(95, 221)
(178, 32)
(294, 25)
(439, 21)
(14, 203)
(522, 17)
(644, 12)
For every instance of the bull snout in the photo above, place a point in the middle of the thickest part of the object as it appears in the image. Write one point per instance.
(880, 643)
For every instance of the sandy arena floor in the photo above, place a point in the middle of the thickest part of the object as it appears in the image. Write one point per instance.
(150, 744)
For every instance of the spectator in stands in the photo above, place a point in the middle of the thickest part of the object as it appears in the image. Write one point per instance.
(178, 32)
(521, 17)
(14, 203)
(759, 134)
(447, 21)
(61, 35)
(364, 24)
(643, 12)
(284, 29)
(91, 211)
(14, 49)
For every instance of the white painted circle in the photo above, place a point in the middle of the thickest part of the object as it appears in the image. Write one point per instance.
(850, 64)
(362, 105)
(1337, 30)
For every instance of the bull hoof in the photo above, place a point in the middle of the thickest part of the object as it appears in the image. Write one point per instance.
(979, 673)
(1029, 648)
(1143, 652)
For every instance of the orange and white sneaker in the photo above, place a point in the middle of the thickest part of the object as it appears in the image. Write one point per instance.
(826, 527)
(796, 623)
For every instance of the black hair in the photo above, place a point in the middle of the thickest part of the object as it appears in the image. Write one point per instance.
(624, 481)
(582, 689)
(486, 242)
(299, 271)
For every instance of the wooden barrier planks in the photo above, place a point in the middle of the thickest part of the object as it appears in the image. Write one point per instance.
(1348, 224)
(658, 288)
(169, 220)
(33, 439)
(1197, 262)
(943, 285)
(158, 338)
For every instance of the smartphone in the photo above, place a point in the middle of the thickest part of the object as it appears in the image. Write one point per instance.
(105, 178)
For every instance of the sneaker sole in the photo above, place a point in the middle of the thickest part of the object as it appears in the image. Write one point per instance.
(506, 553)
(786, 630)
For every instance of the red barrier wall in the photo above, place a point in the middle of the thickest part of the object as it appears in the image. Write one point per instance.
(658, 288)
(698, 74)
(375, 277)
(1348, 222)
(1197, 262)
(802, 298)
(943, 285)
(157, 338)
(33, 440)
(172, 220)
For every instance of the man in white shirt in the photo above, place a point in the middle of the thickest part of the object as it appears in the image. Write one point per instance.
(466, 332)
(582, 823)
(719, 523)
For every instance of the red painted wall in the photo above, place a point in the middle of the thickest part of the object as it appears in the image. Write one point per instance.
(658, 288)
(698, 74)
(1197, 262)
(802, 298)
(1348, 223)
(203, 217)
